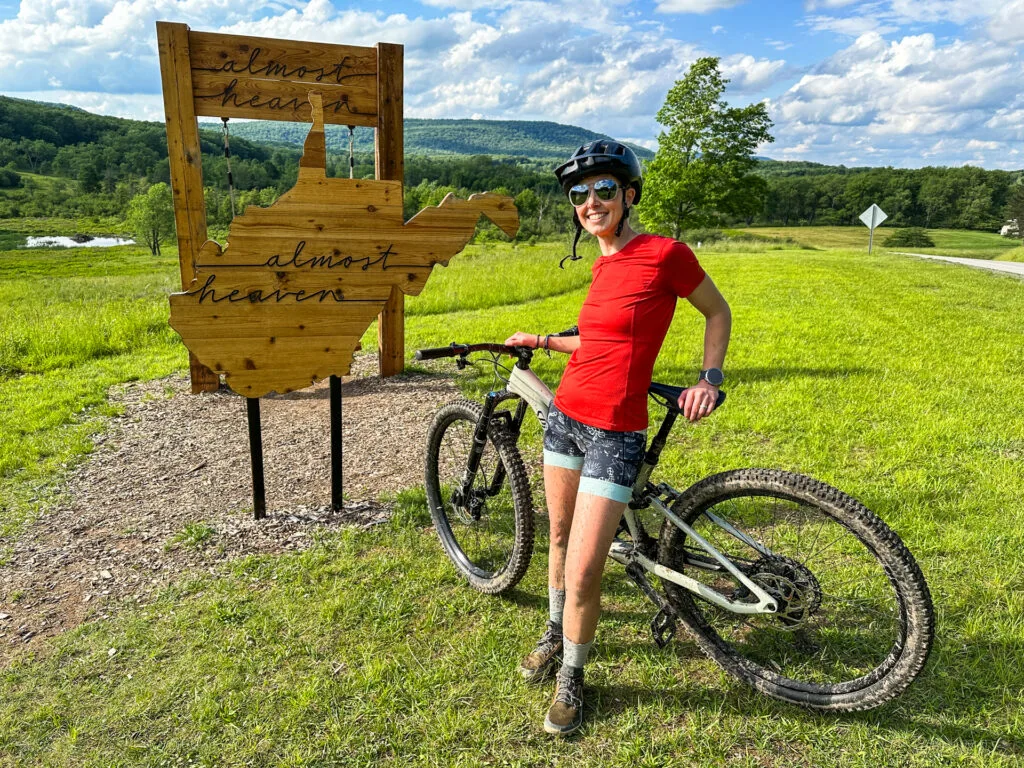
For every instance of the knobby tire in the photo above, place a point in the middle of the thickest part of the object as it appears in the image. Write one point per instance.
(806, 656)
(492, 552)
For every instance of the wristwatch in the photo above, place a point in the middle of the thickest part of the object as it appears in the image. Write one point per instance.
(712, 376)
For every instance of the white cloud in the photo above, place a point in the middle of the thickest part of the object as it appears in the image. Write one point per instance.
(1008, 23)
(749, 74)
(138, 106)
(888, 100)
(717, 29)
(468, 5)
(778, 45)
(812, 5)
(903, 100)
(695, 6)
(517, 59)
(851, 26)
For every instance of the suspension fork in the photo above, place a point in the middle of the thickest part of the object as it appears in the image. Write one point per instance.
(514, 425)
(480, 441)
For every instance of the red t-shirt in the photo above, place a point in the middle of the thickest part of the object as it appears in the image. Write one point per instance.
(623, 323)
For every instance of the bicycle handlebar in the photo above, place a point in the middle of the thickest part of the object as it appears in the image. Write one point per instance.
(454, 350)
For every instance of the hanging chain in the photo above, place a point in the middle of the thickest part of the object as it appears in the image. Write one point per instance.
(227, 159)
(351, 152)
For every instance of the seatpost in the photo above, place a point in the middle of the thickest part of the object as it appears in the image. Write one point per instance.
(651, 460)
(658, 443)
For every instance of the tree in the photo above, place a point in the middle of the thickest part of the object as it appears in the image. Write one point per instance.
(151, 216)
(1015, 206)
(705, 157)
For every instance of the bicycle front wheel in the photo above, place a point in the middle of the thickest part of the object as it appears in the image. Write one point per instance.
(855, 621)
(488, 532)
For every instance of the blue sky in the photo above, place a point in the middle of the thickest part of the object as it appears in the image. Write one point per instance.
(905, 83)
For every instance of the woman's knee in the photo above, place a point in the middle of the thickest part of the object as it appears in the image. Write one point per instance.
(583, 580)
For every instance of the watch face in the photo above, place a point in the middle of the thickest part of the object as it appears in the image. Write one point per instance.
(714, 376)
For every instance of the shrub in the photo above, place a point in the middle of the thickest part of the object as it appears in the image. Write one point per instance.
(694, 236)
(9, 178)
(911, 237)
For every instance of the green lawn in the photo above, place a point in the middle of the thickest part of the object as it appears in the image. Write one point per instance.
(948, 242)
(898, 380)
(73, 322)
(1014, 254)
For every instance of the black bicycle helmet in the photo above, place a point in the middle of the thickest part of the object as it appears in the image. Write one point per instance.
(602, 156)
(597, 157)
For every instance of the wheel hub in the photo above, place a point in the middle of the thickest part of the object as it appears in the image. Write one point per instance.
(471, 508)
(793, 587)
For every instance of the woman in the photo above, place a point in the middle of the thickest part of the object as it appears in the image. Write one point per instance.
(596, 431)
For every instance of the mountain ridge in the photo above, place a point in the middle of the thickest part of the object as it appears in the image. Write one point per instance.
(535, 139)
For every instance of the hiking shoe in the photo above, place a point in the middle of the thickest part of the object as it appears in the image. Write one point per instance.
(565, 715)
(540, 662)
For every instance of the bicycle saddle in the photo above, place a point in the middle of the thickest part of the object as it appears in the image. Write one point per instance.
(671, 395)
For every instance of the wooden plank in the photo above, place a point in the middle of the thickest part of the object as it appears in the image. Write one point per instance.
(300, 345)
(391, 335)
(224, 95)
(363, 192)
(237, 286)
(389, 140)
(185, 157)
(389, 147)
(291, 60)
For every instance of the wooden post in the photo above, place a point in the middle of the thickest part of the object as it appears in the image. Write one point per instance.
(389, 145)
(185, 155)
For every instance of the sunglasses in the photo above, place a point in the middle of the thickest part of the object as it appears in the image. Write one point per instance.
(605, 189)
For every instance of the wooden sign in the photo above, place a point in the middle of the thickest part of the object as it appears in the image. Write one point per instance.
(231, 76)
(286, 302)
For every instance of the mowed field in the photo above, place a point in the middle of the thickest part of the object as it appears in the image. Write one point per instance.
(948, 242)
(897, 379)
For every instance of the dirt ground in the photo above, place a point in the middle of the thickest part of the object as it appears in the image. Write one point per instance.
(168, 489)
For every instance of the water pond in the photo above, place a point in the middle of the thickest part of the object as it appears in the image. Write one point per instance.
(12, 241)
(80, 241)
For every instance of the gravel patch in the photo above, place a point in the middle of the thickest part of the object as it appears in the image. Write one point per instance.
(168, 489)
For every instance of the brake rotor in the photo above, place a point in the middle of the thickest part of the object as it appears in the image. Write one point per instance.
(792, 585)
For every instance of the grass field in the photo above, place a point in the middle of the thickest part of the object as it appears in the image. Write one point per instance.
(899, 380)
(1014, 254)
(948, 242)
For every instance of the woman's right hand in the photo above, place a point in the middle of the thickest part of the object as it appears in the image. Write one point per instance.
(520, 339)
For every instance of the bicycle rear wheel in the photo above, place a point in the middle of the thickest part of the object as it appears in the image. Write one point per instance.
(855, 621)
(488, 534)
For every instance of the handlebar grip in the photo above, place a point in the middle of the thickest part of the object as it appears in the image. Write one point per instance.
(436, 353)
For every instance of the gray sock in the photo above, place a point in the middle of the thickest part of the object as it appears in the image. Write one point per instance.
(556, 604)
(574, 655)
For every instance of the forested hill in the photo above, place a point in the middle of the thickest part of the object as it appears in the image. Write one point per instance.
(518, 138)
(94, 166)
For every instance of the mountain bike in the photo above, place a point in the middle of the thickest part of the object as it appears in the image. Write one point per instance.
(789, 584)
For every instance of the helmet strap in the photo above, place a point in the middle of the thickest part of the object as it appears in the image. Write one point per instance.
(625, 215)
(575, 240)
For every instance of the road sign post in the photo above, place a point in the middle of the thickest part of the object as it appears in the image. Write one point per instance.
(872, 217)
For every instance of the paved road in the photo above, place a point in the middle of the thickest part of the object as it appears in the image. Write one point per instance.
(1013, 267)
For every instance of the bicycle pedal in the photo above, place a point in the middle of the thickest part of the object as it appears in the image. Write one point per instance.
(663, 627)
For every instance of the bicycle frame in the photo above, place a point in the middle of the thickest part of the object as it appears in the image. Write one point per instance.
(532, 389)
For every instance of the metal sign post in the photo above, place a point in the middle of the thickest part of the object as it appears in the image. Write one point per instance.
(872, 217)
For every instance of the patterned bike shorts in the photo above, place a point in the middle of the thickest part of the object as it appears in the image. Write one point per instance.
(608, 461)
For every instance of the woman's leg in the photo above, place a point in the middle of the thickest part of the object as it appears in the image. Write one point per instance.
(560, 488)
(593, 529)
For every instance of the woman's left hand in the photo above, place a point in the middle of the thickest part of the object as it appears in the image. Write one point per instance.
(698, 401)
